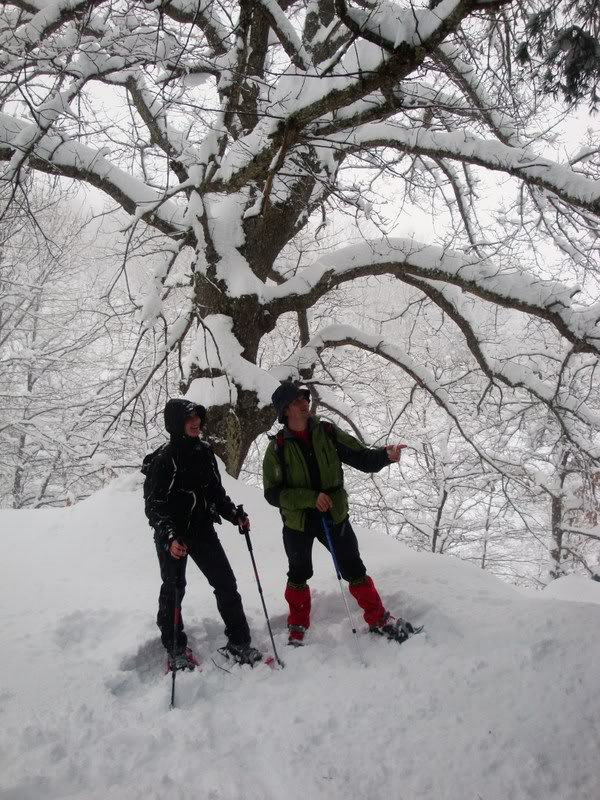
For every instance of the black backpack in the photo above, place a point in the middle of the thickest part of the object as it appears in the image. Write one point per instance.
(147, 469)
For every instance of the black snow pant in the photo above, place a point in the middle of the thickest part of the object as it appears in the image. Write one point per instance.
(299, 544)
(208, 554)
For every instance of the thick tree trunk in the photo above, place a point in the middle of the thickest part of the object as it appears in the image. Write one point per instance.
(231, 429)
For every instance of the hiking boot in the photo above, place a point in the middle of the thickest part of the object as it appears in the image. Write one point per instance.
(242, 653)
(182, 659)
(397, 630)
(296, 635)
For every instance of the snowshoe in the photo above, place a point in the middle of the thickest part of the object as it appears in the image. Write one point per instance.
(396, 630)
(182, 660)
(241, 653)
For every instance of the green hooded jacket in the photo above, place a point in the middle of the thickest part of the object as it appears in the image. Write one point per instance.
(294, 474)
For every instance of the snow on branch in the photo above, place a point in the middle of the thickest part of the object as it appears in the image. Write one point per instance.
(471, 83)
(205, 15)
(390, 26)
(301, 99)
(217, 349)
(522, 163)
(53, 154)
(46, 18)
(514, 375)
(507, 287)
(173, 142)
(305, 360)
(286, 34)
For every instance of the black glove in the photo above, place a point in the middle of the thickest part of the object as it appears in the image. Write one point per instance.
(242, 519)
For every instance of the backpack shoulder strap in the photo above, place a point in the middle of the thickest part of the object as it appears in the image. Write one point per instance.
(329, 429)
(278, 442)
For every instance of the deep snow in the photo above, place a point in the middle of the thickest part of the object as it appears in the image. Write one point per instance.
(497, 699)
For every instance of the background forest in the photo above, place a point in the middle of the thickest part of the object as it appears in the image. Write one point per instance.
(397, 203)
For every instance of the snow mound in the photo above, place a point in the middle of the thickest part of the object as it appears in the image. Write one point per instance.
(574, 588)
(496, 699)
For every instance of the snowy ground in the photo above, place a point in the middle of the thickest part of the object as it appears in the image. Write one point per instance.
(497, 700)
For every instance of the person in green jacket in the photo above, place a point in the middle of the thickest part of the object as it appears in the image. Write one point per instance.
(304, 478)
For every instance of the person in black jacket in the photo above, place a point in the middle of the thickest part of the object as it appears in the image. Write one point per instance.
(184, 498)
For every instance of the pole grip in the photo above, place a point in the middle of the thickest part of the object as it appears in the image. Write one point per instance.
(331, 547)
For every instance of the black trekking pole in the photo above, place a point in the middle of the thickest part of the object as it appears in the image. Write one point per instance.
(176, 619)
(176, 624)
(242, 515)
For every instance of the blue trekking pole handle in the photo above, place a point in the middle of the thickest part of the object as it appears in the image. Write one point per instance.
(330, 546)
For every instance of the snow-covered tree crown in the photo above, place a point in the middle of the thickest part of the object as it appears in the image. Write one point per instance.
(233, 128)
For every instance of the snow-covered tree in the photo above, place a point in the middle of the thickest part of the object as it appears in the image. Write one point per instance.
(46, 328)
(233, 131)
(63, 352)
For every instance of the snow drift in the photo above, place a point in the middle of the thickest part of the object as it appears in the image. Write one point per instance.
(497, 699)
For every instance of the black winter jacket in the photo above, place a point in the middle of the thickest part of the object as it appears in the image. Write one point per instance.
(184, 493)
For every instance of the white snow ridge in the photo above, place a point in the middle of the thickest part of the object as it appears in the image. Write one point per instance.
(496, 700)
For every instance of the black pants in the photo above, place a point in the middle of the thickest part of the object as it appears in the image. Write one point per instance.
(209, 556)
(298, 547)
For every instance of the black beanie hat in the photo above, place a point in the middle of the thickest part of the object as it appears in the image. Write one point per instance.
(286, 394)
